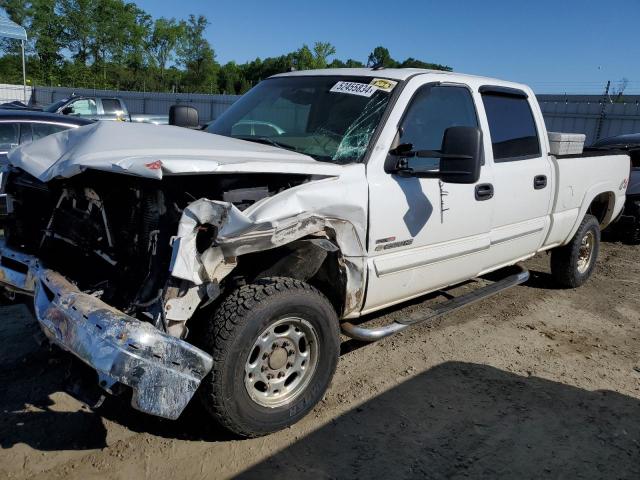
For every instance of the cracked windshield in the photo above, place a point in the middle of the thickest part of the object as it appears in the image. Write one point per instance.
(331, 119)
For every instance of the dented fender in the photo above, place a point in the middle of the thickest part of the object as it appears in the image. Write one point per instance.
(336, 207)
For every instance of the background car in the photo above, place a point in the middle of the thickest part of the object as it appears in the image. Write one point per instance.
(18, 127)
(628, 224)
(101, 108)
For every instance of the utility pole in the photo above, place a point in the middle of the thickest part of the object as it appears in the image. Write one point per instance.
(603, 110)
(24, 74)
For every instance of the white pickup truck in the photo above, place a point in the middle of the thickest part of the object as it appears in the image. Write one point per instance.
(228, 262)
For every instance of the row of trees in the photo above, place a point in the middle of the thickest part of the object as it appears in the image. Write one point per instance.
(114, 44)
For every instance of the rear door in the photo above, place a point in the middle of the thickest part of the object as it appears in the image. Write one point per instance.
(522, 174)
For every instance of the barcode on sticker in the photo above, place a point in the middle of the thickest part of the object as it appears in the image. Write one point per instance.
(354, 88)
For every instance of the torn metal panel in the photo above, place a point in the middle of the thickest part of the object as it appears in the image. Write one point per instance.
(153, 151)
(187, 262)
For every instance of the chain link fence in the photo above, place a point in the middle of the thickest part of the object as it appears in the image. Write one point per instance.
(14, 93)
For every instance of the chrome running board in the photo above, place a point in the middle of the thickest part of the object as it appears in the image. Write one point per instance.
(365, 334)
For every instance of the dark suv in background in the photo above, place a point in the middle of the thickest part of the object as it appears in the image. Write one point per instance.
(628, 223)
(20, 126)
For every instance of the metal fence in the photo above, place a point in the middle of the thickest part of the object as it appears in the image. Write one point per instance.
(12, 93)
(594, 115)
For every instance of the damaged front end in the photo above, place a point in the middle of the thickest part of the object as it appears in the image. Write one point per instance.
(163, 372)
(119, 265)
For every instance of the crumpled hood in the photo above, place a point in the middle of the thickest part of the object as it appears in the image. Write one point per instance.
(152, 151)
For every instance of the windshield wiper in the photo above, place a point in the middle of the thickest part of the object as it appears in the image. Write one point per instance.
(266, 141)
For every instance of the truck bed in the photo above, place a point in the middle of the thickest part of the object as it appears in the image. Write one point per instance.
(578, 180)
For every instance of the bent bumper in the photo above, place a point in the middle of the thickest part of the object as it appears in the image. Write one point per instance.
(164, 372)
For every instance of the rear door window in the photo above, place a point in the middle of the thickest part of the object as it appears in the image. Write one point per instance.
(44, 129)
(9, 135)
(514, 135)
(25, 133)
(111, 106)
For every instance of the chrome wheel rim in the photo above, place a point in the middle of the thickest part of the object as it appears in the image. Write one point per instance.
(585, 252)
(281, 362)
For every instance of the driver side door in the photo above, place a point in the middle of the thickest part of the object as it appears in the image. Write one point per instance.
(425, 234)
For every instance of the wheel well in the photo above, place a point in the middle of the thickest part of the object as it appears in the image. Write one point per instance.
(602, 207)
(312, 260)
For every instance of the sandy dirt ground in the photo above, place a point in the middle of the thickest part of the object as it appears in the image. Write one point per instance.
(534, 383)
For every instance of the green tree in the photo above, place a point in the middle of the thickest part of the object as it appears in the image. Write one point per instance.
(350, 63)
(413, 63)
(79, 27)
(230, 78)
(163, 42)
(196, 55)
(303, 58)
(46, 29)
(380, 57)
(321, 52)
(134, 57)
(42, 20)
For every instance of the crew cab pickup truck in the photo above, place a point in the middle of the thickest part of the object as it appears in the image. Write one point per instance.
(101, 108)
(174, 261)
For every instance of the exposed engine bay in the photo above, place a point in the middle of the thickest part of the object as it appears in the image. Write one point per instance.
(112, 234)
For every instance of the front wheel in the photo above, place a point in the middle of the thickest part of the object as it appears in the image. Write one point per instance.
(572, 264)
(275, 346)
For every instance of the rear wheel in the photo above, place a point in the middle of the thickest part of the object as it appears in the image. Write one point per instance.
(275, 345)
(572, 264)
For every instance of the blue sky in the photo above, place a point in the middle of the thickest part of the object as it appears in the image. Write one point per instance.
(556, 46)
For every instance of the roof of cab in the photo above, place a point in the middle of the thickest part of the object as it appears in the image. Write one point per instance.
(399, 74)
(391, 73)
(12, 114)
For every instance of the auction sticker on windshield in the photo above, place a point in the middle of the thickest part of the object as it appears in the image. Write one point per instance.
(383, 84)
(354, 88)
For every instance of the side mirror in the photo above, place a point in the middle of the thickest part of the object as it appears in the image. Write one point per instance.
(460, 157)
(67, 110)
(184, 116)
